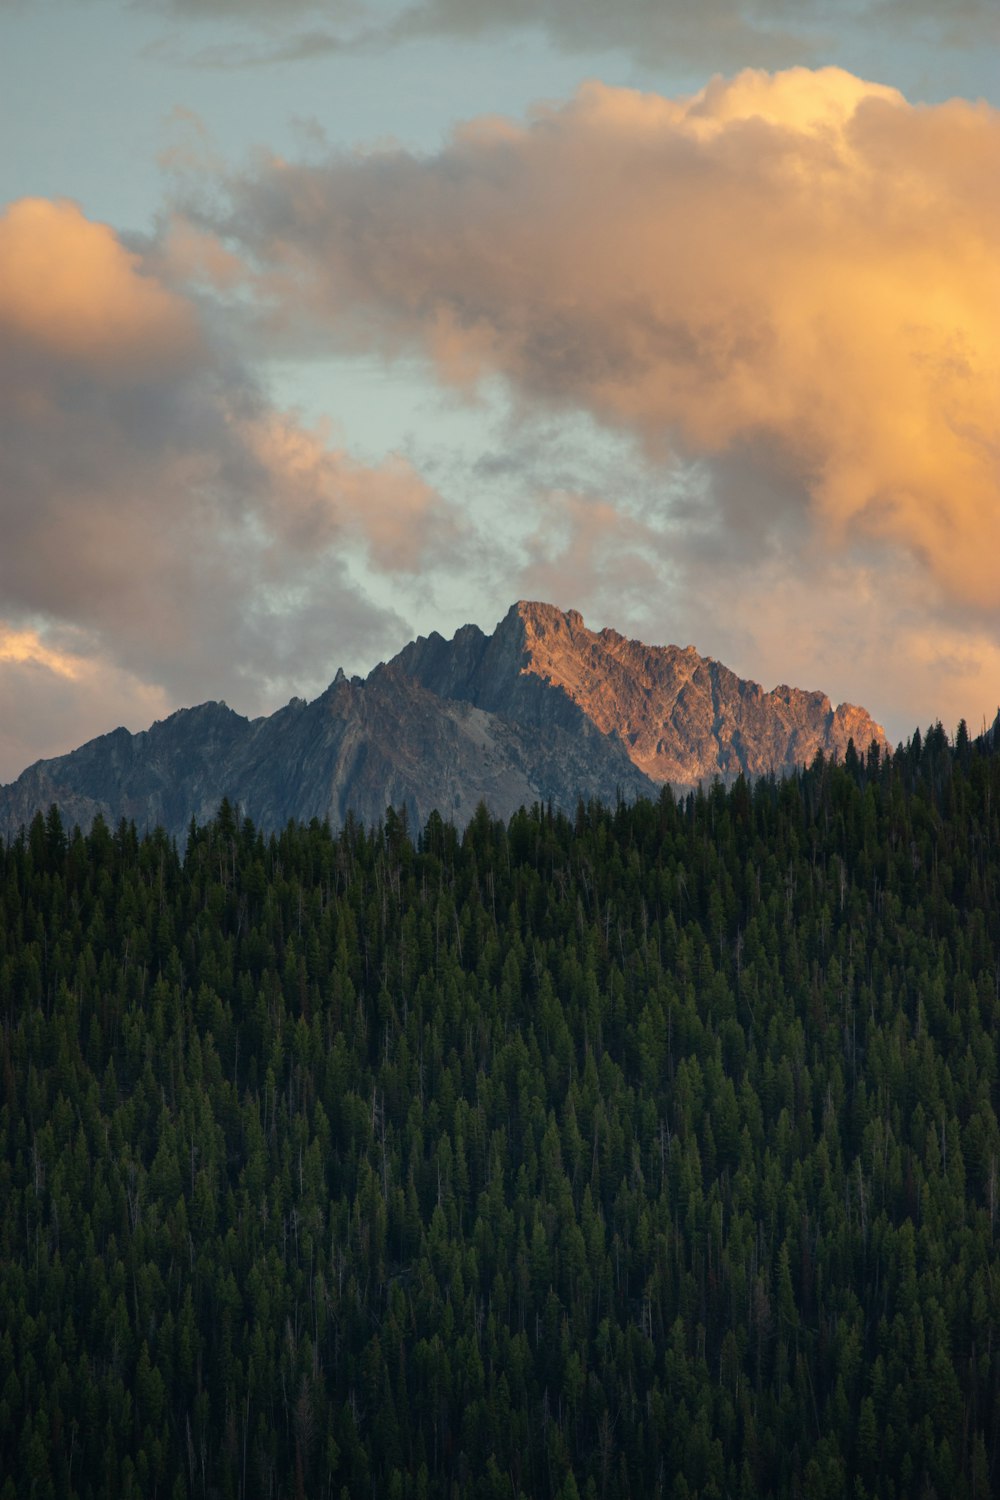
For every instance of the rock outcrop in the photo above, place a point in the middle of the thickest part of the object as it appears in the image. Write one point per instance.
(542, 710)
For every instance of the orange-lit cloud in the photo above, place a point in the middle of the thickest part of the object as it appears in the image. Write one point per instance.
(59, 692)
(27, 646)
(70, 289)
(791, 278)
(321, 494)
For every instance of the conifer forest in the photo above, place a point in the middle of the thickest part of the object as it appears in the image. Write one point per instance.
(651, 1151)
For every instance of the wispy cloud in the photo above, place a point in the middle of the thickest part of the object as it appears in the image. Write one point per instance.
(713, 34)
(239, 55)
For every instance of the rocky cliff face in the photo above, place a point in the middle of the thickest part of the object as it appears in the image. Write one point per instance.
(681, 717)
(541, 710)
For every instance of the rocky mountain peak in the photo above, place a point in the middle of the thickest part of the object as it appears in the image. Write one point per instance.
(540, 620)
(681, 717)
(544, 709)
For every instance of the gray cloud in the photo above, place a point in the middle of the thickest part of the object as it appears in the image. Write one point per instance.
(239, 56)
(719, 33)
(714, 34)
(266, 13)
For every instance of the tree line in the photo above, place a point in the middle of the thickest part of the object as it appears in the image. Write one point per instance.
(647, 1152)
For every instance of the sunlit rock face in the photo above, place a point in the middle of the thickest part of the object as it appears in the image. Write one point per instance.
(681, 717)
(542, 710)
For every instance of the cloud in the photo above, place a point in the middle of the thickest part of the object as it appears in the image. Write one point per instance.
(69, 291)
(268, 13)
(27, 648)
(789, 280)
(168, 534)
(715, 33)
(241, 56)
(861, 631)
(56, 694)
(861, 628)
(585, 552)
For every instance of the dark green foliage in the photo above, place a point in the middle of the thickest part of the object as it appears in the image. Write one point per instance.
(651, 1153)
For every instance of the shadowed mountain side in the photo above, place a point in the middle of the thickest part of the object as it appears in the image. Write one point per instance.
(682, 718)
(360, 746)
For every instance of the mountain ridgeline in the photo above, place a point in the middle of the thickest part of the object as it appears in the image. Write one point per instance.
(543, 710)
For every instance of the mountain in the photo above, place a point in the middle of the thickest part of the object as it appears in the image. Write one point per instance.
(541, 710)
(361, 746)
(681, 717)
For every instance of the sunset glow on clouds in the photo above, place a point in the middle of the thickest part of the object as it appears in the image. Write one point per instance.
(798, 270)
(70, 291)
(26, 647)
(718, 366)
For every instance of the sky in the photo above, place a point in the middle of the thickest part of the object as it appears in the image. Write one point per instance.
(327, 323)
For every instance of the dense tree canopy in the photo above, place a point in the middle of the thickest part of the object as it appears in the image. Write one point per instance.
(653, 1152)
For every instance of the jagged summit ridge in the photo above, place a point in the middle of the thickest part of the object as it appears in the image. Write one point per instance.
(682, 717)
(544, 710)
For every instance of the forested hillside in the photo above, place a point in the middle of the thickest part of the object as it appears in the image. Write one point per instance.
(651, 1153)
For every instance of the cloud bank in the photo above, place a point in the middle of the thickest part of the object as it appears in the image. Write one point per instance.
(789, 279)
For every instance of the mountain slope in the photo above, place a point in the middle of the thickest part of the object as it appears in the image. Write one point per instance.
(361, 746)
(682, 718)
